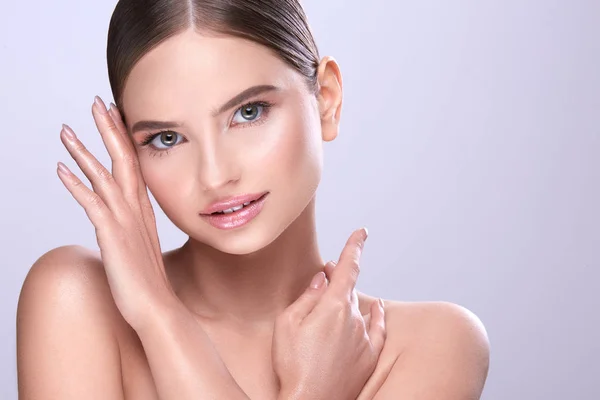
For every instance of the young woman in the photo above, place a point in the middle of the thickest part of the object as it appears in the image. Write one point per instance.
(221, 110)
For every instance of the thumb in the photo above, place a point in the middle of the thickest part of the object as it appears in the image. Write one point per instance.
(308, 299)
(377, 328)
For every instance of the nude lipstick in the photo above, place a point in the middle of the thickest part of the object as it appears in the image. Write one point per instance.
(234, 212)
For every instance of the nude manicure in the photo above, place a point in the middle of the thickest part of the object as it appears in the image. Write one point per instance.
(317, 281)
(101, 106)
(68, 132)
(62, 168)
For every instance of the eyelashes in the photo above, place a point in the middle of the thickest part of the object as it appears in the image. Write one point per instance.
(150, 138)
(261, 107)
(259, 111)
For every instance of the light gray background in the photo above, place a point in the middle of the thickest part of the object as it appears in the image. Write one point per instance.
(470, 148)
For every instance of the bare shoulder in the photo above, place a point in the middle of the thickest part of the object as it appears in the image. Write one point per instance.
(70, 277)
(441, 349)
(66, 342)
(419, 323)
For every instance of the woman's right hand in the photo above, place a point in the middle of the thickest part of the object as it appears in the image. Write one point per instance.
(322, 347)
(119, 208)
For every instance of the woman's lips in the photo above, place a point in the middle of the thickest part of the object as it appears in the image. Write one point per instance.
(231, 202)
(237, 218)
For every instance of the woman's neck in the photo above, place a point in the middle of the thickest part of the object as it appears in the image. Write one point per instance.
(250, 290)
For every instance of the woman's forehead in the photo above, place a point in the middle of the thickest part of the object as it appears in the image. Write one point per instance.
(205, 68)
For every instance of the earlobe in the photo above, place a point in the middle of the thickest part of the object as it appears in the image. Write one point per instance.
(329, 97)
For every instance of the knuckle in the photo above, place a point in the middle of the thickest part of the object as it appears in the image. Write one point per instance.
(354, 267)
(351, 274)
(77, 183)
(382, 330)
(95, 200)
(104, 174)
(110, 124)
(358, 324)
(286, 318)
(79, 147)
(339, 306)
(130, 160)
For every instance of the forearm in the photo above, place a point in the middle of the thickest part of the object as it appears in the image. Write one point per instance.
(301, 392)
(184, 363)
(291, 394)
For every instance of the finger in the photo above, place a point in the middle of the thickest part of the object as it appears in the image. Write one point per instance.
(329, 269)
(307, 300)
(122, 129)
(125, 167)
(101, 180)
(118, 120)
(124, 161)
(147, 211)
(94, 207)
(354, 300)
(377, 328)
(345, 274)
(367, 319)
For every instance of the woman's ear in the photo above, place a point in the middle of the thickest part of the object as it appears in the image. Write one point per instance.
(329, 97)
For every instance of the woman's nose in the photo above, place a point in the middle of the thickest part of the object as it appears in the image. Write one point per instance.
(216, 166)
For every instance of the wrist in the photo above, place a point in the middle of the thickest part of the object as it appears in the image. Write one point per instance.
(159, 313)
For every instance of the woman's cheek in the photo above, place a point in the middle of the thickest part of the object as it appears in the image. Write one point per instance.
(165, 185)
(300, 143)
(296, 160)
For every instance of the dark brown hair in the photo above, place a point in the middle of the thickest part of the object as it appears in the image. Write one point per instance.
(137, 26)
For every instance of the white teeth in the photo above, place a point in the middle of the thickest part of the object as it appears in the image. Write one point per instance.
(229, 211)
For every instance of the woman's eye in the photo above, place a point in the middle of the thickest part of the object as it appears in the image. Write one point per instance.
(165, 140)
(248, 113)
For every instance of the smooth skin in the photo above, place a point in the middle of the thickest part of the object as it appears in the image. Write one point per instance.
(240, 314)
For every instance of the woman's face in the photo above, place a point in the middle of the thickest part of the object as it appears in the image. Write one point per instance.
(212, 149)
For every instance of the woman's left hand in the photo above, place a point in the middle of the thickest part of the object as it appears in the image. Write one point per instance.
(323, 348)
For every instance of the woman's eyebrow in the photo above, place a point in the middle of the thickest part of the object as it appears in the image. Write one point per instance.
(241, 97)
(234, 101)
(152, 125)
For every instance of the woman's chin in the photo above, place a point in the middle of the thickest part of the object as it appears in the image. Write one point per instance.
(242, 242)
(238, 248)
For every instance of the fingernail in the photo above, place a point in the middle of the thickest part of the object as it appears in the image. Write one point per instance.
(381, 304)
(68, 132)
(332, 264)
(62, 168)
(317, 280)
(366, 232)
(101, 106)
